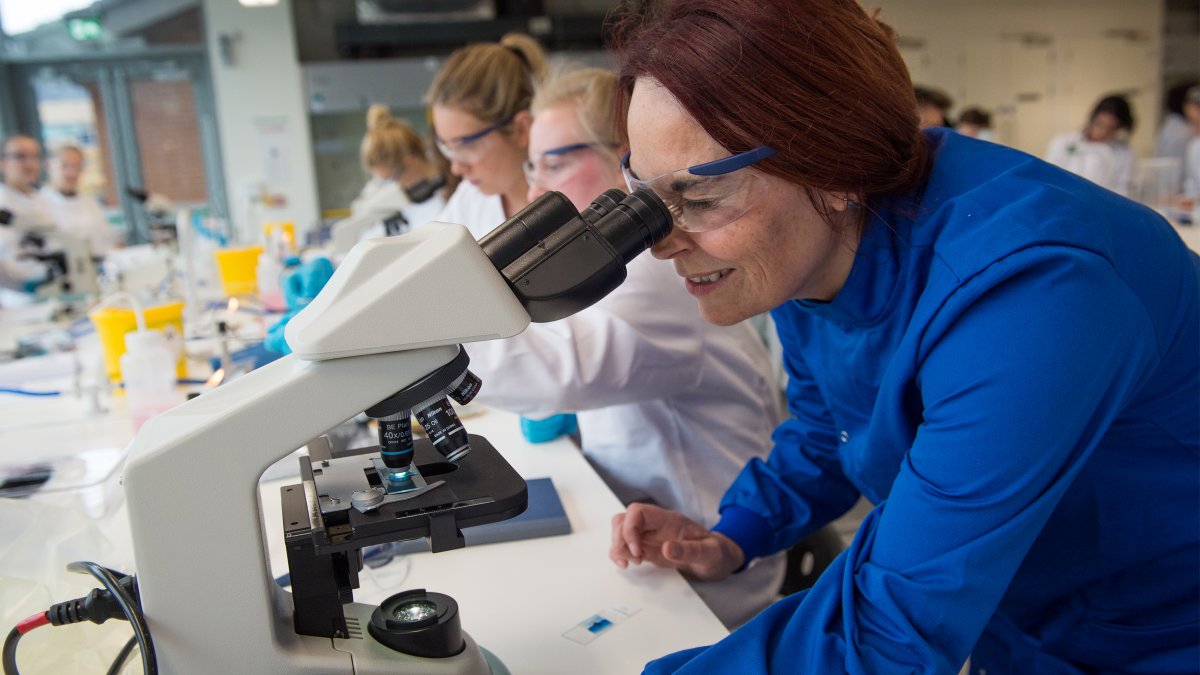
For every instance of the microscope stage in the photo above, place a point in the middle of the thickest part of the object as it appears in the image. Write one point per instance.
(482, 488)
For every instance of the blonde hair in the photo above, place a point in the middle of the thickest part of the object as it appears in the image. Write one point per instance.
(593, 92)
(389, 140)
(490, 80)
(68, 147)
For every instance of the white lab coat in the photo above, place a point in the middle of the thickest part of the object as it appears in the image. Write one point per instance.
(670, 407)
(416, 213)
(1191, 169)
(468, 206)
(16, 273)
(31, 208)
(1173, 136)
(81, 215)
(1109, 165)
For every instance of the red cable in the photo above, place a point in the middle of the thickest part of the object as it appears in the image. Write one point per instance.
(35, 621)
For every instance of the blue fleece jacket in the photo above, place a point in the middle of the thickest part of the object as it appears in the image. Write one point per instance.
(1011, 374)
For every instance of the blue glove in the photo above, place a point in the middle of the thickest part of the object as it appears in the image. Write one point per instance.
(275, 341)
(300, 286)
(548, 429)
(305, 282)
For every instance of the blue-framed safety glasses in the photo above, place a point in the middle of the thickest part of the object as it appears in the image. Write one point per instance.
(706, 196)
(556, 165)
(470, 147)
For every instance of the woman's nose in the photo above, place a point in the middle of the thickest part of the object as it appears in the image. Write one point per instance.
(676, 242)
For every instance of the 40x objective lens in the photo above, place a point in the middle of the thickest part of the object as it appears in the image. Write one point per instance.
(396, 440)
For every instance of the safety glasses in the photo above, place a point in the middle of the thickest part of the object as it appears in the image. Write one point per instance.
(554, 166)
(471, 147)
(706, 196)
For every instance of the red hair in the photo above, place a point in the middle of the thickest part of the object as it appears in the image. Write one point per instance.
(820, 81)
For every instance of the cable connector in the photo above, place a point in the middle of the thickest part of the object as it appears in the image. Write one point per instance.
(98, 606)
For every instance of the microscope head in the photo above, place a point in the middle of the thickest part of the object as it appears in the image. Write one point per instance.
(434, 286)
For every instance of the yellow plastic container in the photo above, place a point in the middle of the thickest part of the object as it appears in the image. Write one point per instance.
(238, 268)
(113, 323)
(286, 230)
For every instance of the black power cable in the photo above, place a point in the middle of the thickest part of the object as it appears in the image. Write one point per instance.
(119, 662)
(132, 610)
(97, 607)
(10, 652)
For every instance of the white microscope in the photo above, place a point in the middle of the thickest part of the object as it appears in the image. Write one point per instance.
(384, 205)
(383, 337)
(68, 256)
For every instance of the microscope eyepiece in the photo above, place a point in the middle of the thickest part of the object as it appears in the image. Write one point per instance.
(637, 222)
(604, 203)
(558, 261)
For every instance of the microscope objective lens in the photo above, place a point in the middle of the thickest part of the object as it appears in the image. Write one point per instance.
(445, 431)
(465, 387)
(396, 440)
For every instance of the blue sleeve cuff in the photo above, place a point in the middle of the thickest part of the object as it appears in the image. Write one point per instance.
(748, 530)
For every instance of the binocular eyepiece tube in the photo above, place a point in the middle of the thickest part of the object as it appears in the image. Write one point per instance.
(558, 261)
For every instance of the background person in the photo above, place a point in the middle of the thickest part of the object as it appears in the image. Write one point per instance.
(397, 158)
(669, 406)
(72, 212)
(976, 123)
(1191, 158)
(933, 107)
(22, 169)
(480, 110)
(1101, 152)
(1176, 129)
(21, 166)
(1002, 357)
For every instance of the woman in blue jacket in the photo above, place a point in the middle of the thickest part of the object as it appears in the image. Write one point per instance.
(1001, 356)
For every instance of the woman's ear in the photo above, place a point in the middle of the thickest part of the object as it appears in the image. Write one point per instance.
(842, 201)
(521, 123)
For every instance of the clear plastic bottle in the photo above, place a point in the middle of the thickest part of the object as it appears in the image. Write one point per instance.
(270, 269)
(148, 369)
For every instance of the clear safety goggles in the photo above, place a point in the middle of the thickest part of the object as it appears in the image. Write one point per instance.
(471, 147)
(556, 165)
(706, 196)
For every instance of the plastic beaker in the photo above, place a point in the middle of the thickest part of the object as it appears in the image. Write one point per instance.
(112, 323)
(238, 268)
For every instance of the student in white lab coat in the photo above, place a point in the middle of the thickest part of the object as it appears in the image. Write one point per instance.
(1101, 152)
(21, 165)
(480, 105)
(71, 211)
(669, 406)
(1191, 154)
(396, 157)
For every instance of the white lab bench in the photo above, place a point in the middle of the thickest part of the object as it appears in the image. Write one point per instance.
(516, 599)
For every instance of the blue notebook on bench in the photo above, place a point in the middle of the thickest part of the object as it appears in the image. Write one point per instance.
(544, 517)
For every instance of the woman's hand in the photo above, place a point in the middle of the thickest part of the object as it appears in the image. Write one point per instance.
(670, 539)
